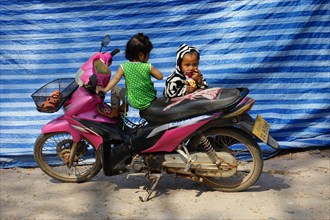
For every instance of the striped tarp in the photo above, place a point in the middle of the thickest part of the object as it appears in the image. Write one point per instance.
(279, 49)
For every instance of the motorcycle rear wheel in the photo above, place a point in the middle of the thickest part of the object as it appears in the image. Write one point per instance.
(52, 151)
(247, 153)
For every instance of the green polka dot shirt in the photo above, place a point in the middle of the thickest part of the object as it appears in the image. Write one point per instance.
(140, 89)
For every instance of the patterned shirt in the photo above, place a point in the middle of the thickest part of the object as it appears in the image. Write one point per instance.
(140, 89)
(175, 85)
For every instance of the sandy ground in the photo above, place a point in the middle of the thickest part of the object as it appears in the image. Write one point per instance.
(294, 185)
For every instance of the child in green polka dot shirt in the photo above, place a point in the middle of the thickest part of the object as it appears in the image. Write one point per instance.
(137, 72)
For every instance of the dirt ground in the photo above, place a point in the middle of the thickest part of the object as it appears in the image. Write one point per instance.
(293, 185)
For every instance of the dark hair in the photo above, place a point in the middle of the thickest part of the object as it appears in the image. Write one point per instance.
(137, 44)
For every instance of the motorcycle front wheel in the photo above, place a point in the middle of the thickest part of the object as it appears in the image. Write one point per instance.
(247, 153)
(52, 153)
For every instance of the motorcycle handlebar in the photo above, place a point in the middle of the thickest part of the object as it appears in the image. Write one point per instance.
(115, 51)
(244, 91)
(101, 94)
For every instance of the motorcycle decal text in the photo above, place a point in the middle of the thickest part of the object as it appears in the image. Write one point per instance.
(177, 124)
(188, 121)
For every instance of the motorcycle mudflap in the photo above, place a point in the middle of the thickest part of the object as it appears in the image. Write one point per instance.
(261, 129)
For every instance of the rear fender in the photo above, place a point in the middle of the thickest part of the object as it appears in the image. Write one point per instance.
(243, 122)
(246, 123)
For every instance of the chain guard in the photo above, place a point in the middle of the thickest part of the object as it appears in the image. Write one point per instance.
(202, 166)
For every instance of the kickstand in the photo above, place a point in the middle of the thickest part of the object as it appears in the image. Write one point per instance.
(154, 177)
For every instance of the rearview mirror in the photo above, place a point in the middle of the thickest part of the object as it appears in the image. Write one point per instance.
(106, 41)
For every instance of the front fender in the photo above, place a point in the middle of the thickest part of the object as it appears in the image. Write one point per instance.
(60, 124)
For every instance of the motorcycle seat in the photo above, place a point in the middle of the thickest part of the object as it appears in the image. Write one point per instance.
(201, 102)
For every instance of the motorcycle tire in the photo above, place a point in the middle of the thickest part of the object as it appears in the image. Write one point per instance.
(247, 153)
(52, 151)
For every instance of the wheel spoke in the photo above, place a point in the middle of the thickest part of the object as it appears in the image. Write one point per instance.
(52, 152)
(246, 152)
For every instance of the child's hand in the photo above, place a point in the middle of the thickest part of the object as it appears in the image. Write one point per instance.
(191, 89)
(99, 89)
(191, 85)
(197, 76)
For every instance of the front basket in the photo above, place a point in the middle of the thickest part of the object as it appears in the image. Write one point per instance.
(50, 97)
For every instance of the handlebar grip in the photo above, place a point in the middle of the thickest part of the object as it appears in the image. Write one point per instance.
(101, 95)
(115, 51)
(244, 91)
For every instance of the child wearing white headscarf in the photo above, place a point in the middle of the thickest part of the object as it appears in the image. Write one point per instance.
(186, 78)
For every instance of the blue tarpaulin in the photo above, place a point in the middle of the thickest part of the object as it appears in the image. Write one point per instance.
(279, 49)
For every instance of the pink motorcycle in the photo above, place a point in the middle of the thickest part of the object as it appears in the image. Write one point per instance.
(206, 136)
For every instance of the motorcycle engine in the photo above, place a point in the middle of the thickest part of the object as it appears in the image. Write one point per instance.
(146, 163)
(138, 164)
